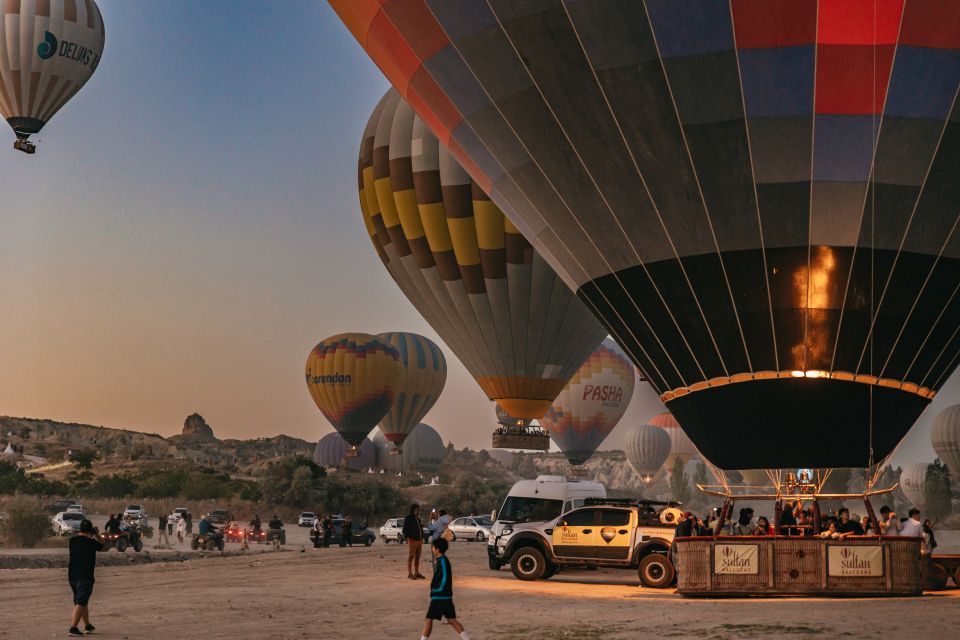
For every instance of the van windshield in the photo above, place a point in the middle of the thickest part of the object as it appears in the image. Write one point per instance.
(518, 509)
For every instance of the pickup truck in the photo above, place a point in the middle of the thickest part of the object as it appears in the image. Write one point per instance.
(602, 533)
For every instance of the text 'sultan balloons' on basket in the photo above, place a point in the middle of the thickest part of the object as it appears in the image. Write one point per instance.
(50, 49)
(759, 199)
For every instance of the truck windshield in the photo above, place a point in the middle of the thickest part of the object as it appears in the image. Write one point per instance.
(518, 509)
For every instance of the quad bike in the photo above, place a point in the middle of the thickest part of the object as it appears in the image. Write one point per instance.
(209, 541)
(120, 541)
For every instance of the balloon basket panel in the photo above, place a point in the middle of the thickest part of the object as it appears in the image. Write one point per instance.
(577, 472)
(396, 451)
(534, 441)
(353, 452)
(25, 146)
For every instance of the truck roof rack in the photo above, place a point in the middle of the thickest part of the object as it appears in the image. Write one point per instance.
(630, 502)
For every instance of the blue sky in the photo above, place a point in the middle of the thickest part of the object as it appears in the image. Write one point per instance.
(189, 229)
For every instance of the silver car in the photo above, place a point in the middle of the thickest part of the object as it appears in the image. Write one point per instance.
(67, 523)
(471, 528)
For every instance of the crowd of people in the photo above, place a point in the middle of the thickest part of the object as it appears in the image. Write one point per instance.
(796, 520)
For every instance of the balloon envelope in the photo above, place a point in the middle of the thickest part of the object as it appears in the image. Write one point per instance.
(592, 403)
(945, 438)
(757, 198)
(647, 448)
(332, 451)
(423, 451)
(353, 379)
(51, 48)
(913, 481)
(516, 327)
(422, 376)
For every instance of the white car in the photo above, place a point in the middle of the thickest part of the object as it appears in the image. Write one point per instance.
(392, 530)
(135, 512)
(471, 528)
(67, 523)
(307, 519)
(76, 507)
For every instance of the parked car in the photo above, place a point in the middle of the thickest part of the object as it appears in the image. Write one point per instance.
(59, 505)
(307, 519)
(67, 523)
(76, 507)
(471, 528)
(135, 511)
(220, 517)
(359, 533)
(392, 530)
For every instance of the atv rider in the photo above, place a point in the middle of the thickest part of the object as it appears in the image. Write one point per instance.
(112, 525)
(255, 523)
(275, 522)
(206, 528)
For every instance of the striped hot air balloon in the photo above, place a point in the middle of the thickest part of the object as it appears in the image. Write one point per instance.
(647, 448)
(353, 379)
(945, 438)
(422, 376)
(48, 51)
(592, 403)
(518, 329)
(333, 450)
(913, 482)
(423, 452)
(758, 197)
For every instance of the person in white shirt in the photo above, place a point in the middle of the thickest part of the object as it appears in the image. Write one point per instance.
(912, 528)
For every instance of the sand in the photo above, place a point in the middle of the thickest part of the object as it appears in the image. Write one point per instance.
(363, 592)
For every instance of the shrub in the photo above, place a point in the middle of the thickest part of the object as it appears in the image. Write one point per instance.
(84, 458)
(26, 523)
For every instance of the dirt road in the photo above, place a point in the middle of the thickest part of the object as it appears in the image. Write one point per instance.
(363, 592)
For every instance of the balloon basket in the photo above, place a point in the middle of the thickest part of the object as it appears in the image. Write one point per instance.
(25, 145)
(521, 438)
(395, 451)
(352, 452)
(577, 472)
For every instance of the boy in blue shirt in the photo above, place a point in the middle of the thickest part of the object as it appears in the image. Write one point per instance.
(441, 592)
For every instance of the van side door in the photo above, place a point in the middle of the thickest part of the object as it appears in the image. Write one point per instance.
(575, 534)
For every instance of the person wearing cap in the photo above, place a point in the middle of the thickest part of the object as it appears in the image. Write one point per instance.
(687, 526)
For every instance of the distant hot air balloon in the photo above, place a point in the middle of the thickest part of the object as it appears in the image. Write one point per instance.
(423, 451)
(592, 403)
(945, 438)
(647, 448)
(353, 379)
(759, 199)
(333, 450)
(913, 481)
(423, 374)
(50, 48)
(518, 329)
(680, 445)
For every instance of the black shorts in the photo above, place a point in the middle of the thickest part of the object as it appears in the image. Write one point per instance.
(82, 590)
(441, 609)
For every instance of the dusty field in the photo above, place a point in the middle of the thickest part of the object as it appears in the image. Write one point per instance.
(364, 593)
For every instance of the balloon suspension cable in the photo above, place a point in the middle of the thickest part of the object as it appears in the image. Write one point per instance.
(718, 475)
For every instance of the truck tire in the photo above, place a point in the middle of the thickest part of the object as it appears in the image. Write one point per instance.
(956, 577)
(551, 571)
(656, 571)
(527, 563)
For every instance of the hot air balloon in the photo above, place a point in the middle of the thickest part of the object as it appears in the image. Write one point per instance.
(423, 374)
(757, 198)
(945, 438)
(353, 378)
(51, 48)
(647, 448)
(592, 403)
(681, 448)
(518, 329)
(423, 451)
(332, 451)
(913, 480)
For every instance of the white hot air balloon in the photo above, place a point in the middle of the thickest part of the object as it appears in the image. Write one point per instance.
(647, 447)
(422, 452)
(945, 438)
(913, 480)
(48, 51)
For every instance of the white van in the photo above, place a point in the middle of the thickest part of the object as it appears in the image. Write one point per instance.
(541, 500)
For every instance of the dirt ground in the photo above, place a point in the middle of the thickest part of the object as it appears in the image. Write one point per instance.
(363, 592)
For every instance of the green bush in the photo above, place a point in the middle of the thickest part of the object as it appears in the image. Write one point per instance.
(26, 523)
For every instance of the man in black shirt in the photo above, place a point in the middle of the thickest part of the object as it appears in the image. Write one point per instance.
(847, 525)
(83, 558)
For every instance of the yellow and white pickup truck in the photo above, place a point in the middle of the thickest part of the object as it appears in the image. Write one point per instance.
(602, 533)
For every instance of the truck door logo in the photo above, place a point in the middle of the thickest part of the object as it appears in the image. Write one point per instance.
(608, 534)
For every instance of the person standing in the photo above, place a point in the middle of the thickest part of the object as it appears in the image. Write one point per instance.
(163, 538)
(346, 532)
(929, 539)
(441, 592)
(83, 559)
(912, 527)
(181, 529)
(318, 531)
(327, 531)
(847, 526)
(413, 532)
(889, 525)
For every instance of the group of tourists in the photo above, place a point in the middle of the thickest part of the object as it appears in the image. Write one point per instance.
(795, 520)
(324, 530)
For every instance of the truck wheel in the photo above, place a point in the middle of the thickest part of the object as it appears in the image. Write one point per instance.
(121, 544)
(656, 571)
(956, 577)
(528, 564)
(551, 571)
